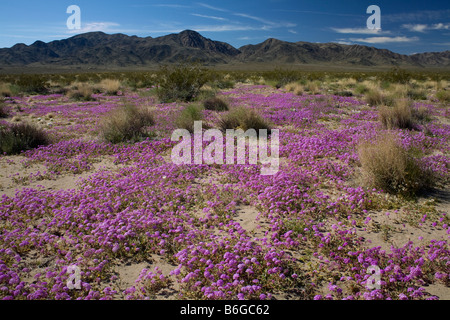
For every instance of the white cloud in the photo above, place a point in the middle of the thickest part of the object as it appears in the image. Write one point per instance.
(359, 31)
(374, 40)
(254, 18)
(212, 7)
(292, 31)
(426, 27)
(343, 42)
(96, 26)
(209, 17)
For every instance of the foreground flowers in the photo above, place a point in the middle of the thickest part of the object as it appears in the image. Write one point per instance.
(310, 238)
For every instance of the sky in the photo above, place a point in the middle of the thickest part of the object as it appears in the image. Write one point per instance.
(406, 27)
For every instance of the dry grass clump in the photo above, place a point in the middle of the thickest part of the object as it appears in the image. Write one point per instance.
(81, 91)
(126, 124)
(399, 116)
(387, 165)
(313, 87)
(5, 90)
(294, 87)
(110, 86)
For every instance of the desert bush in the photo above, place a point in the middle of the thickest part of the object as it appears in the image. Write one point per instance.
(126, 124)
(19, 137)
(280, 77)
(421, 115)
(242, 118)
(396, 75)
(295, 87)
(110, 86)
(188, 116)
(32, 84)
(3, 112)
(387, 165)
(416, 94)
(220, 81)
(215, 104)
(5, 90)
(400, 116)
(343, 93)
(374, 97)
(181, 82)
(81, 91)
(313, 87)
(361, 89)
(443, 96)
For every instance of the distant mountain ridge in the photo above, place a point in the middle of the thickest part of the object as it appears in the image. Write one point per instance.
(119, 50)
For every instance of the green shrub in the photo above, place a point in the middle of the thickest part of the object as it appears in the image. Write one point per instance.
(180, 82)
(388, 166)
(397, 75)
(416, 94)
(281, 77)
(343, 93)
(215, 104)
(126, 124)
(361, 89)
(242, 118)
(32, 84)
(188, 116)
(443, 96)
(22, 136)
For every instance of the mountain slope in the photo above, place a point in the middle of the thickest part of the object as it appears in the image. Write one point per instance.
(118, 50)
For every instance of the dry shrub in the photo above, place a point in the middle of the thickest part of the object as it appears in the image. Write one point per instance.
(387, 165)
(5, 90)
(374, 97)
(19, 137)
(294, 87)
(400, 116)
(126, 124)
(110, 86)
(81, 91)
(313, 87)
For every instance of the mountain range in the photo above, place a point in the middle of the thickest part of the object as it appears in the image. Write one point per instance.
(101, 50)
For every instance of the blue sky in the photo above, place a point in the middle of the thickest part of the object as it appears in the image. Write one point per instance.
(406, 26)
